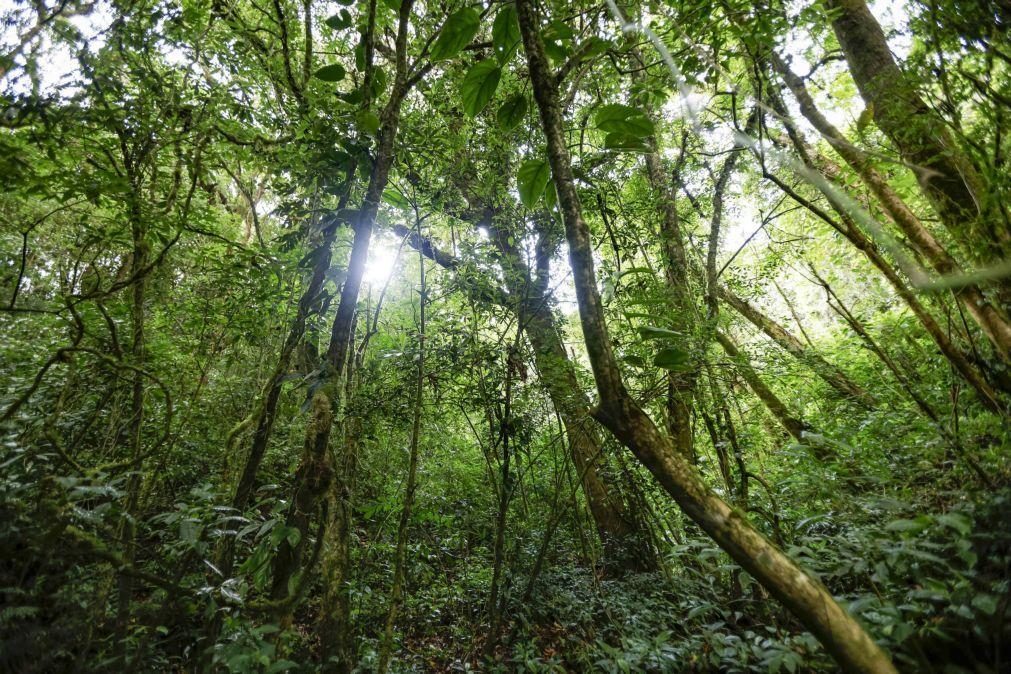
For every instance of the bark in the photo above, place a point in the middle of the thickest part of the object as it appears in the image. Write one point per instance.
(945, 174)
(848, 228)
(138, 353)
(265, 413)
(777, 408)
(680, 385)
(994, 325)
(712, 301)
(624, 542)
(807, 598)
(334, 626)
(505, 495)
(314, 474)
(625, 545)
(777, 333)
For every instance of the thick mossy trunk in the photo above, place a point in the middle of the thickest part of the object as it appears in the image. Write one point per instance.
(319, 427)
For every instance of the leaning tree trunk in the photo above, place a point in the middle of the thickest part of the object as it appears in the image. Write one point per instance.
(777, 408)
(622, 536)
(806, 597)
(624, 543)
(777, 333)
(946, 175)
(994, 325)
(848, 228)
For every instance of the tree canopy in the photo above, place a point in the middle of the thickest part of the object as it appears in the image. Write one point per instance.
(516, 335)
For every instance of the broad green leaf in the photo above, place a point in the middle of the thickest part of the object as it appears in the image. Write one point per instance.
(505, 33)
(558, 30)
(512, 112)
(957, 521)
(459, 29)
(368, 121)
(331, 73)
(531, 180)
(340, 21)
(624, 142)
(622, 119)
(987, 603)
(393, 197)
(556, 51)
(637, 361)
(479, 86)
(671, 358)
(653, 332)
(594, 46)
(551, 197)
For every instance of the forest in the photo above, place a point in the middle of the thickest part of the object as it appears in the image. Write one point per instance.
(505, 335)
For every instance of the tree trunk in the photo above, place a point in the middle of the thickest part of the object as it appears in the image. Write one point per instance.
(138, 356)
(625, 544)
(313, 476)
(994, 325)
(809, 600)
(847, 226)
(945, 174)
(831, 374)
(793, 425)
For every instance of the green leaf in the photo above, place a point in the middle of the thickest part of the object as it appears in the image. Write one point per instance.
(556, 51)
(909, 526)
(532, 179)
(505, 33)
(653, 332)
(393, 197)
(332, 73)
(624, 142)
(340, 21)
(987, 603)
(957, 521)
(671, 358)
(558, 30)
(512, 112)
(368, 121)
(551, 197)
(637, 361)
(479, 86)
(459, 29)
(622, 119)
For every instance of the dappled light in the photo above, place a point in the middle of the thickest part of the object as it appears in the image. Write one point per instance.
(506, 336)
